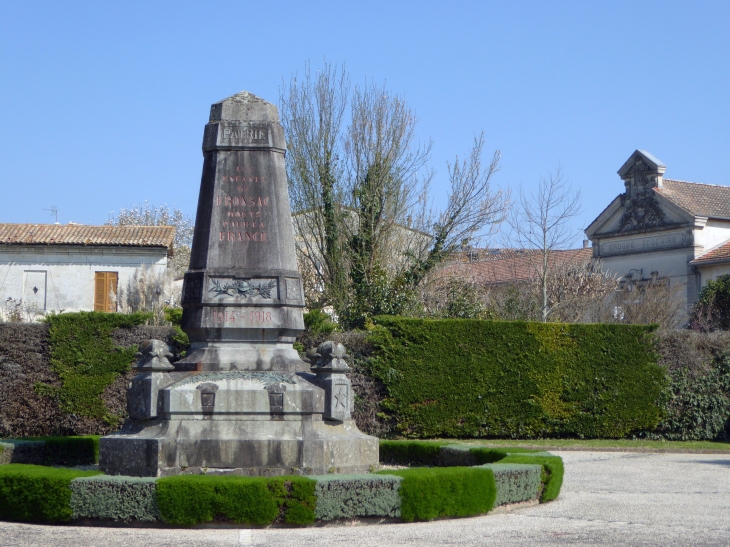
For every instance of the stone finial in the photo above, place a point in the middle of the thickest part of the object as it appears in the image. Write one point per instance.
(244, 107)
(329, 357)
(152, 356)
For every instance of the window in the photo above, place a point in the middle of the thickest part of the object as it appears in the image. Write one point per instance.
(105, 291)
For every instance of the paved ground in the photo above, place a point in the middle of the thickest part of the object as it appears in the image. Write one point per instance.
(607, 499)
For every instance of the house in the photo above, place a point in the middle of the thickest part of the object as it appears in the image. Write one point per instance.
(52, 268)
(507, 266)
(666, 230)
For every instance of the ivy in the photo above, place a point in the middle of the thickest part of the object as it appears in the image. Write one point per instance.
(86, 360)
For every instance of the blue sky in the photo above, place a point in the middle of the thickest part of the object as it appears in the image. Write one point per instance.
(103, 104)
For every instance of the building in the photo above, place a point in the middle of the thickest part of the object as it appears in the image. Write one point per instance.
(664, 230)
(493, 267)
(52, 268)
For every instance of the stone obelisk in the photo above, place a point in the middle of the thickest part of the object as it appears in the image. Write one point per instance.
(242, 297)
(242, 401)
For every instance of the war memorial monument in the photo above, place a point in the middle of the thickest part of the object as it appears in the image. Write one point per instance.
(242, 401)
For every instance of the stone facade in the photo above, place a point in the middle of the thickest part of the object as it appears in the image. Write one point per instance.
(661, 228)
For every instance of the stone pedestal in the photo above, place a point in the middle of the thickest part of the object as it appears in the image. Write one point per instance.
(242, 401)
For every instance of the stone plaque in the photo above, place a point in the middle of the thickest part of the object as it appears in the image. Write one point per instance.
(643, 244)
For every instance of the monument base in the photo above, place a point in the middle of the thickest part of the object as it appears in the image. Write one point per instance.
(237, 447)
(257, 423)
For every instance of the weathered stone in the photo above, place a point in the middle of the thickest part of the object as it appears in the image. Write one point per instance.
(242, 401)
(152, 356)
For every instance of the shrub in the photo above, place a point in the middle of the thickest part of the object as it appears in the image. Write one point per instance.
(712, 310)
(317, 321)
(114, 497)
(698, 405)
(410, 452)
(350, 496)
(472, 378)
(515, 483)
(552, 475)
(70, 451)
(85, 359)
(429, 493)
(32, 493)
(193, 499)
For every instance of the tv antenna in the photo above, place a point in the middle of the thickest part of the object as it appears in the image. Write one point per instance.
(54, 211)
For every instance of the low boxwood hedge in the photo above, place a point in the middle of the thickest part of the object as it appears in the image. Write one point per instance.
(515, 482)
(195, 499)
(352, 496)
(65, 451)
(46, 494)
(429, 493)
(553, 470)
(114, 498)
(34, 493)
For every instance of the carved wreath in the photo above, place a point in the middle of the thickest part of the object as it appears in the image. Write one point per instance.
(243, 288)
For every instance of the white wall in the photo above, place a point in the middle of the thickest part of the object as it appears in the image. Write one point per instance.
(710, 272)
(64, 275)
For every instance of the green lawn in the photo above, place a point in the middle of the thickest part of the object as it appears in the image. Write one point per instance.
(600, 444)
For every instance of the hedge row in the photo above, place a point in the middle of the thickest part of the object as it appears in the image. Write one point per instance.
(440, 454)
(66, 451)
(472, 378)
(32, 493)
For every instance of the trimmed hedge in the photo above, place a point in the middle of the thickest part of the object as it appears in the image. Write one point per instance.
(65, 451)
(438, 454)
(194, 499)
(473, 378)
(115, 498)
(32, 493)
(351, 496)
(515, 482)
(429, 493)
(552, 474)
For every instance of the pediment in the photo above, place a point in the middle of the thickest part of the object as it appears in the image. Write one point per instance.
(624, 216)
(641, 207)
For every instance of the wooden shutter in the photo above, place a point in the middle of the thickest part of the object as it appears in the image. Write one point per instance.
(105, 291)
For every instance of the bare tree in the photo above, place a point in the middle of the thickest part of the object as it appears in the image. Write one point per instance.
(312, 111)
(541, 221)
(146, 214)
(473, 208)
(359, 193)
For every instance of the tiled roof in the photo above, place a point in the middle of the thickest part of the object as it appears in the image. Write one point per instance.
(720, 254)
(707, 200)
(509, 265)
(79, 234)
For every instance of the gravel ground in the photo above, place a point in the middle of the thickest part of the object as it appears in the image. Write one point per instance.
(607, 499)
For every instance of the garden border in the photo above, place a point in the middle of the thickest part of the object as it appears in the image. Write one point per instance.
(462, 481)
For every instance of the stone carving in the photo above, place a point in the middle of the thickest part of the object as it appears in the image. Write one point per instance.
(152, 356)
(328, 363)
(246, 289)
(640, 207)
(207, 399)
(266, 378)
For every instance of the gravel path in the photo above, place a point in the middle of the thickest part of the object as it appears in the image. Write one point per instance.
(608, 498)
